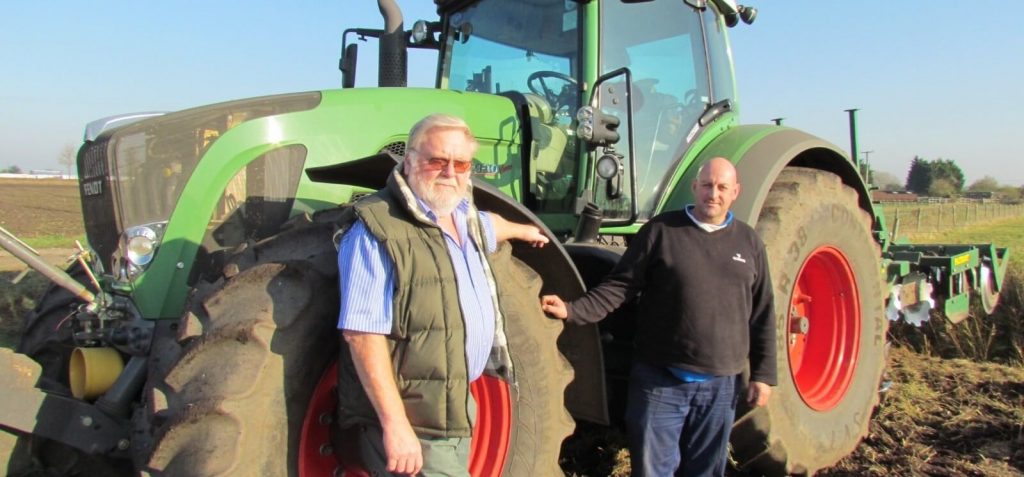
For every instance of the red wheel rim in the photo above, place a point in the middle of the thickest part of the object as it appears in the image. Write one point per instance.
(491, 434)
(824, 328)
(493, 430)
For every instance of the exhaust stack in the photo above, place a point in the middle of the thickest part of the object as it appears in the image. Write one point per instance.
(392, 67)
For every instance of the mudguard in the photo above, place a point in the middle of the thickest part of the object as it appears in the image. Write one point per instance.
(760, 152)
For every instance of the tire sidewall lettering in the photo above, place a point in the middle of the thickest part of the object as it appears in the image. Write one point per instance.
(814, 212)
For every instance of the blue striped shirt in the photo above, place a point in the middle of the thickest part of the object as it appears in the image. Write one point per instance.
(366, 276)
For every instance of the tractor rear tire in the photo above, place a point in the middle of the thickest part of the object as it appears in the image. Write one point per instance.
(237, 395)
(831, 329)
(540, 421)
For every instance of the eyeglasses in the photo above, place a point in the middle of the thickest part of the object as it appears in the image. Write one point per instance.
(440, 163)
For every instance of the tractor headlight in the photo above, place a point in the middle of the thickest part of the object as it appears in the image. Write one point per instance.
(140, 245)
(596, 127)
(420, 32)
(608, 166)
(585, 116)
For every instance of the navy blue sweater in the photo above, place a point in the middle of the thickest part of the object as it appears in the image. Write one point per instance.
(704, 299)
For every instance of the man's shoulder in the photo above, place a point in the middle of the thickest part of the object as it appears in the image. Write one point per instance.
(743, 226)
(371, 200)
(670, 218)
(749, 233)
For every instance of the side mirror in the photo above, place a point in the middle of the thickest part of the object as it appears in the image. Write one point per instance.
(605, 127)
(347, 65)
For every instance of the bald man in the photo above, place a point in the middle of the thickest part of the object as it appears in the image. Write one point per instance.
(704, 313)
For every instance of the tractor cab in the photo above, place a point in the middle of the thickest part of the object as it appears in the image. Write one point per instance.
(659, 70)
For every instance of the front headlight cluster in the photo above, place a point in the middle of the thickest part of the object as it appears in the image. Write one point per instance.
(596, 127)
(140, 245)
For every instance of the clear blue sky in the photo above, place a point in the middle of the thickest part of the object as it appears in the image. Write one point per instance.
(934, 79)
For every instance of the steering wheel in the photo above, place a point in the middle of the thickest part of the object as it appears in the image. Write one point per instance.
(557, 99)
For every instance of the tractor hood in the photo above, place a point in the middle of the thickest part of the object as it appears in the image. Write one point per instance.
(190, 183)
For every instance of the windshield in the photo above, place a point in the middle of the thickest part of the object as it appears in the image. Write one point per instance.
(528, 47)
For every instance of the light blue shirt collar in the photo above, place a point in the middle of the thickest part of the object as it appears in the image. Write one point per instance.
(706, 226)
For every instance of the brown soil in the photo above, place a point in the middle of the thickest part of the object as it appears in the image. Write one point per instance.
(944, 417)
(941, 417)
(40, 207)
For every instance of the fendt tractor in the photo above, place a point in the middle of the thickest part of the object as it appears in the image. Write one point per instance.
(196, 335)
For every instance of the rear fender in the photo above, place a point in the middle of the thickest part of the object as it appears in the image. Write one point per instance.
(760, 152)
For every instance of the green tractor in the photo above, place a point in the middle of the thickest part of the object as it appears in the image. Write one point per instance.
(198, 336)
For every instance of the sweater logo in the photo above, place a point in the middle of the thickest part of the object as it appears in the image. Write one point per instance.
(738, 258)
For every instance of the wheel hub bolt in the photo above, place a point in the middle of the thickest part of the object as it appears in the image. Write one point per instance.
(325, 418)
(799, 325)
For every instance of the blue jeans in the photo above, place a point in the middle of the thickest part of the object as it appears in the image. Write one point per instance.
(671, 424)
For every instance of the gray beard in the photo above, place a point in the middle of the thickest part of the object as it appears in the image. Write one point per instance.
(442, 204)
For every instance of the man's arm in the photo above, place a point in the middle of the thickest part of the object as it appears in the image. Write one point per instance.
(373, 365)
(507, 230)
(762, 337)
(366, 280)
(554, 306)
(623, 284)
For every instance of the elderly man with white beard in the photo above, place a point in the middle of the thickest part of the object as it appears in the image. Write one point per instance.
(419, 307)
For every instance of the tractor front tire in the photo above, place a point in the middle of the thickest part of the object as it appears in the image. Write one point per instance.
(229, 396)
(831, 329)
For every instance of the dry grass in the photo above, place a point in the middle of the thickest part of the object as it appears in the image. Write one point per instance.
(914, 217)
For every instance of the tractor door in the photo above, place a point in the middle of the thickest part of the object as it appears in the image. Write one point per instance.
(527, 51)
(662, 43)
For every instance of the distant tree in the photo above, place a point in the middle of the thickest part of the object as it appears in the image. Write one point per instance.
(67, 157)
(919, 178)
(886, 181)
(11, 170)
(948, 170)
(985, 184)
(942, 188)
(1010, 192)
